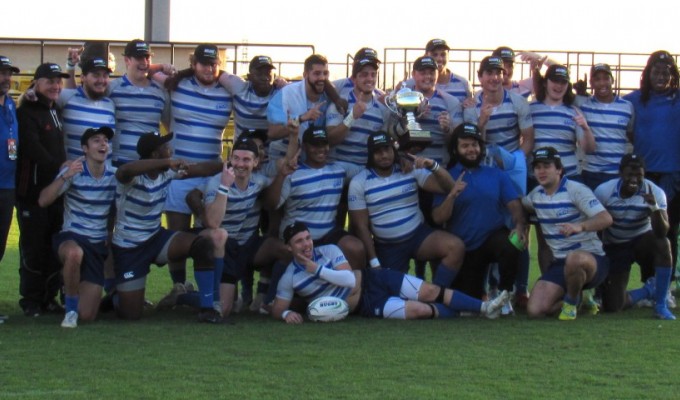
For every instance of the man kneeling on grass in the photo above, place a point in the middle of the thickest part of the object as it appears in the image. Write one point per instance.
(385, 293)
(89, 189)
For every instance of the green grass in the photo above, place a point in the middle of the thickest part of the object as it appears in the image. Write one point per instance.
(167, 355)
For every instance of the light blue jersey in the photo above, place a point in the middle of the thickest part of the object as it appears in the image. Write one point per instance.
(572, 203)
(609, 123)
(631, 215)
(391, 201)
(80, 113)
(139, 207)
(139, 109)
(506, 120)
(199, 115)
(87, 203)
(554, 126)
(296, 279)
(250, 110)
(312, 195)
(242, 217)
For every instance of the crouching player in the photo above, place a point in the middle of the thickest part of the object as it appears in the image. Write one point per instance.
(89, 189)
(638, 234)
(139, 239)
(384, 293)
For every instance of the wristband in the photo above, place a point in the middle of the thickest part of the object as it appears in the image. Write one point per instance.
(654, 208)
(348, 120)
(375, 263)
(69, 66)
(223, 190)
(285, 314)
(434, 168)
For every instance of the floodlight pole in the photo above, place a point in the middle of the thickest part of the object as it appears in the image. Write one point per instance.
(157, 21)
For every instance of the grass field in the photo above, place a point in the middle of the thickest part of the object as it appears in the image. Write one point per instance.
(169, 356)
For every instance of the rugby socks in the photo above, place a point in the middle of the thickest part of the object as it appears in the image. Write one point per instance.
(219, 268)
(71, 303)
(569, 300)
(663, 282)
(191, 299)
(263, 285)
(206, 284)
(462, 302)
(109, 285)
(638, 294)
(178, 276)
(444, 311)
(522, 278)
(444, 276)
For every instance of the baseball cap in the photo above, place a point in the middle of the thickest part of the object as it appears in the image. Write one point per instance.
(557, 72)
(151, 141)
(261, 61)
(545, 155)
(631, 160)
(254, 134)
(137, 48)
(601, 67)
(360, 63)
(293, 229)
(93, 64)
(489, 63)
(505, 53)
(105, 130)
(424, 62)
(435, 44)
(661, 56)
(207, 54)
(49, 70)
(467, 130)
(6, 63)
(314, 135)
(246, 143)
(379, 139)
(366, 52)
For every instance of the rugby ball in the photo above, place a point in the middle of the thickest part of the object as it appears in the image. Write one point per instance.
(327, 309)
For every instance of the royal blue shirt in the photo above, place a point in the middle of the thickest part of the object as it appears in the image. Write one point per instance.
(9, 129)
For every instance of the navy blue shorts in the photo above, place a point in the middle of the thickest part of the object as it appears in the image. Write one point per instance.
(239, 258)
(131, 263)
(378, 285)
(94, 256)
(397, 256)
(623, 255)
(332, 237)
(555, 273)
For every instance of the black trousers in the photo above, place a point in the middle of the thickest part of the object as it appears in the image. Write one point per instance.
(6, 209)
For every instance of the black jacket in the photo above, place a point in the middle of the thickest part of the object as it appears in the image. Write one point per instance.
(41, 148)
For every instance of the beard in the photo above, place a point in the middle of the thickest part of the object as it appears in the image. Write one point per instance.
(471, 163)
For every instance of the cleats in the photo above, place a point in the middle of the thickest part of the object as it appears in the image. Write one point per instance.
(568, 312)
(589, 304)
(170, 299)
(210, 316)
(492, 309)
(70, 320)
(662, 312)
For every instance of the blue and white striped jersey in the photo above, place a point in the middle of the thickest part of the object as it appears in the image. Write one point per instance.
(506, 121)
(631, 215)
(250, 110)
(353, 149)
(242, 217)
(554, 126)
(199, 115)
(312, 195)
(87, 203)
(296, 279)
(457, 86)
(80, 113)
(139, 207)
(609, 123)
(139, 109)
(392, 202)
(573, 203)
(345, 85)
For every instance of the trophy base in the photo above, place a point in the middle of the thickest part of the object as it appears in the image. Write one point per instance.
(416, 140)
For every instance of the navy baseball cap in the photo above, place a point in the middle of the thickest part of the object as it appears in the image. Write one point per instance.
(314, 135)
(149, 142)
(601, 68)
(360, 63)
(246, 143)
(435, 44)
(425, 62)
(260, 62)
(468, 131)
(631, 160)
(661, 56)
(255, 134)
(207, 54)
(137, 48)
(105, 130)
(366, 52)
(505, 53)
(379, 139)
(557, 72)
(545, 155)
(95, 63)
(293, 229)
(491, 63)
(6, 63)
(49, 70)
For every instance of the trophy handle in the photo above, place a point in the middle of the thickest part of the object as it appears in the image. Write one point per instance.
(390, 103)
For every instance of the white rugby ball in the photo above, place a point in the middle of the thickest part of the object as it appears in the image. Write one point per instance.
(327, 309)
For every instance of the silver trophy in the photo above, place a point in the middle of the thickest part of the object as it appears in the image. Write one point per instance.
(405, 103)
